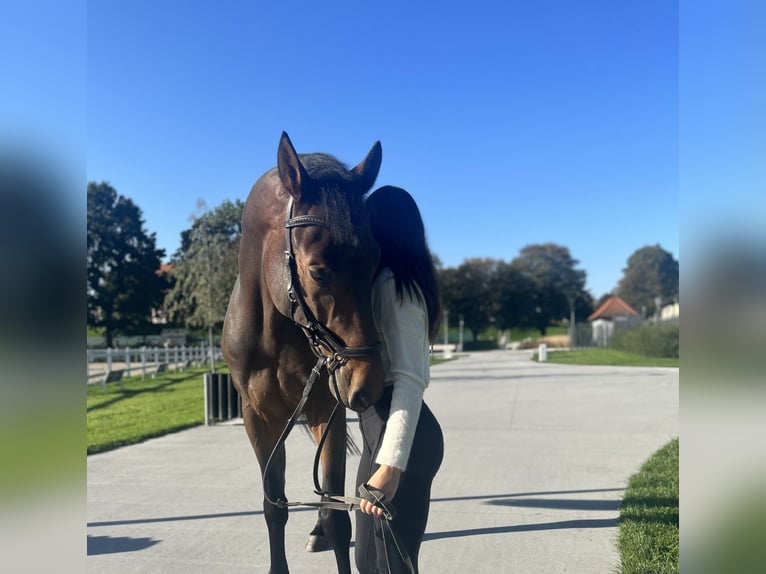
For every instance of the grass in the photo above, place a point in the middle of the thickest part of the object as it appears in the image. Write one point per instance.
(519, 334)
(150, 408)
(648, 532)
(607, 357)
(143, 409)
(437, 359)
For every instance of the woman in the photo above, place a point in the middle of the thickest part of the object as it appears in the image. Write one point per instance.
(403, 443)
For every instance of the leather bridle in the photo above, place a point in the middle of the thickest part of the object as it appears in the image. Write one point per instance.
(323, 342)
(331, 354)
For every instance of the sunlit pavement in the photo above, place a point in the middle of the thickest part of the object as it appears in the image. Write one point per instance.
(536, 460)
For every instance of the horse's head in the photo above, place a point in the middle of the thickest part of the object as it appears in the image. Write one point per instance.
(331, 258)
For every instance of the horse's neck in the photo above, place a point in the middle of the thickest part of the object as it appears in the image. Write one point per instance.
(265, 332)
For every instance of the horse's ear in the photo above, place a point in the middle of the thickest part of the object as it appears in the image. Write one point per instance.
(291, 171)
(370, 166)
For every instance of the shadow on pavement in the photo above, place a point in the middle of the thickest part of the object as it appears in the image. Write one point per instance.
(117, 544)
(191, 517)
(565, 524)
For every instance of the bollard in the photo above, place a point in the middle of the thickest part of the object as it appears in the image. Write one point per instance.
(207, 387)
(542, 353)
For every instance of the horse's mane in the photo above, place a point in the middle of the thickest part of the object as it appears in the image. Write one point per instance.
(343, 205)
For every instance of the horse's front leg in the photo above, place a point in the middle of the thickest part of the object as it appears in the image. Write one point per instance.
(335, 524)
(263, 439)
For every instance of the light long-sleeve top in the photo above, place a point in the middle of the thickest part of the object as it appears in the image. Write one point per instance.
(403, 329)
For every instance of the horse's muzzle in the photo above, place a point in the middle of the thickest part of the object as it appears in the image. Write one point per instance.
(361, 386)
(359, 400)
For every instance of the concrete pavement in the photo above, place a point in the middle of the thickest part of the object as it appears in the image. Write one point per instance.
(536, 460)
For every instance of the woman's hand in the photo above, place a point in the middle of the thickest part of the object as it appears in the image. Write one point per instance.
(385, 479)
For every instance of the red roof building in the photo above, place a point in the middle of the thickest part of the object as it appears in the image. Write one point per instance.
(611, 308)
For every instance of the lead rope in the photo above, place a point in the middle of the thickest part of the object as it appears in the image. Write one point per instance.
(332, 501)
(315, 372)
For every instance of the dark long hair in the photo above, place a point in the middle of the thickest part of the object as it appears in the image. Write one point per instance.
(398, 228)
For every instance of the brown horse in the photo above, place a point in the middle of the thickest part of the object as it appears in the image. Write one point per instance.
(302, 300)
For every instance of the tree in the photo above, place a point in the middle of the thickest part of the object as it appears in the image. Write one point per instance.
(511, 293)
(558, 289)
(123, 284)
(204, 268)
(466, 293)
(651, 273)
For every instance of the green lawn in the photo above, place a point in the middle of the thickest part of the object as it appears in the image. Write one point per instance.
(648, 534)
(143, 409)
(607, 357)
(519, 334)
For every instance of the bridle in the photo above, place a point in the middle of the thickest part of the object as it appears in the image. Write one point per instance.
(323, 342)
(331, 354)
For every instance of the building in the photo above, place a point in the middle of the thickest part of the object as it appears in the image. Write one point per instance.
(613, 314)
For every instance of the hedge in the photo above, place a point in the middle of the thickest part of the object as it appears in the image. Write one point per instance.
(658, 340)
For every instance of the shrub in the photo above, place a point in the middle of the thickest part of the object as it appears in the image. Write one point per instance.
(658, 340)
(479, 345)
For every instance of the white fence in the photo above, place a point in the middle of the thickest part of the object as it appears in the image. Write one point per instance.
(145, 360)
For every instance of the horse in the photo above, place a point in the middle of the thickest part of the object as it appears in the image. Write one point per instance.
(302, 304)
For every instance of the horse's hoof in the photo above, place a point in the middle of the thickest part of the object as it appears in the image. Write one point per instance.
(317, 543)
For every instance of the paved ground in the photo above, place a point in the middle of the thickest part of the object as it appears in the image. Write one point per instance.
(536, 460)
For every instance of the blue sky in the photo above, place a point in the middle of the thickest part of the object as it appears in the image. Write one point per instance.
(511, 123)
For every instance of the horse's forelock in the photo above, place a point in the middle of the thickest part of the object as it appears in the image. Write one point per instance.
(343, 205)
(345, 214)
(322, 166)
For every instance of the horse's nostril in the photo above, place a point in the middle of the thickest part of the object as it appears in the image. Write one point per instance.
(360, 400)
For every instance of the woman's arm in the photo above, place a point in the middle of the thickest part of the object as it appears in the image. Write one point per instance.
(404, 329)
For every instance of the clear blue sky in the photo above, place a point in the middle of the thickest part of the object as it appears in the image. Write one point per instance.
(511, 123)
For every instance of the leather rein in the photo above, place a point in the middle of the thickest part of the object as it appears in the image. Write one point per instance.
(331, 354)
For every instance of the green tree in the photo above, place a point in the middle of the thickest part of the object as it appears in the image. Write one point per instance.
(123, 284)
(558, 288)
(651, 273)
(466, 293)
(204, 268)
(511, 293)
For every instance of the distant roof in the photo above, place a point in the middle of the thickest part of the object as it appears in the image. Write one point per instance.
(612, 307)
(164, 269)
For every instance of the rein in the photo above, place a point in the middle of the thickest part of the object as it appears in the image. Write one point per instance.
(321, 341)
(333, 501)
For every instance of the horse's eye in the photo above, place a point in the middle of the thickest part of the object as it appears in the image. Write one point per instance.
(321, 275)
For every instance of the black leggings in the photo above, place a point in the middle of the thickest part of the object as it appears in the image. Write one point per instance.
(413, 497)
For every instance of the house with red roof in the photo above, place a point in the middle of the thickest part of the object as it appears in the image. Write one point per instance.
(613, 314)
